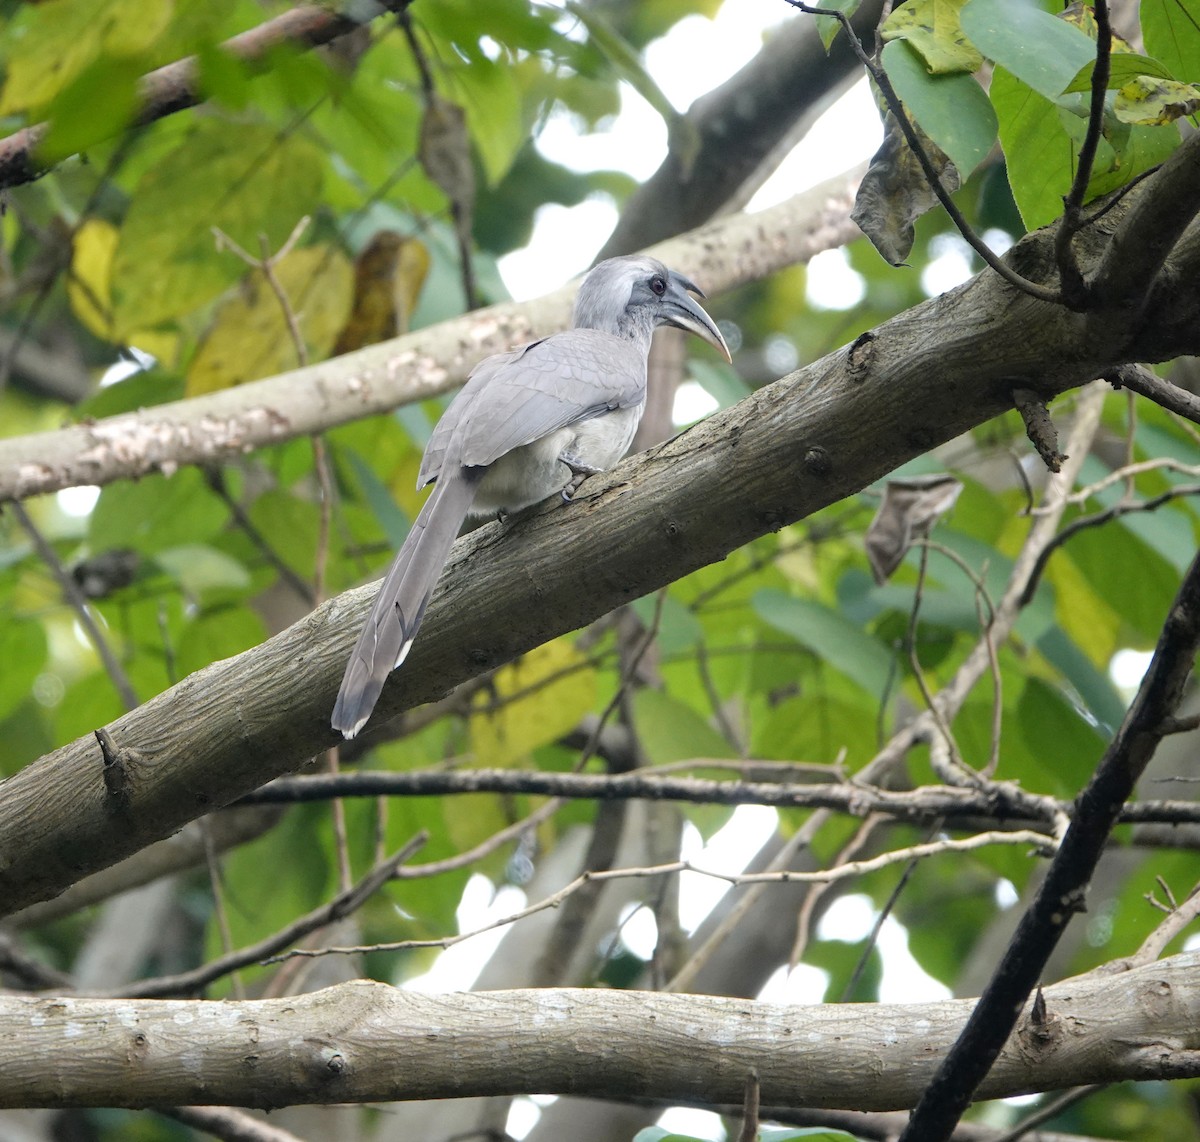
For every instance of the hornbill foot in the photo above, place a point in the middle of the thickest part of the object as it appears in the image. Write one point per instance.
(579, 472)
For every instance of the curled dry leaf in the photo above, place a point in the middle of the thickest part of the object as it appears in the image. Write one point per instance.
(908, 512)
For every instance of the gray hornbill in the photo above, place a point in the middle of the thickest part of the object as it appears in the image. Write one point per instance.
(527, 424)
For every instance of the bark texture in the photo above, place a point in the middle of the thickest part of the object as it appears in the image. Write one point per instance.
(367, 1042)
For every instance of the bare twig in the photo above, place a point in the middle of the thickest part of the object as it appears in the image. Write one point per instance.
(1074, 288)
(341, 905)
(1177, 920)
(1021, 837)
(995, 800)
(1141, 380)
(1039, 427)
(79, 605)
(749, 1130)
(1052, 1108)
(216, 481)
(1097, 519)
(228, 1124)
(880, 77)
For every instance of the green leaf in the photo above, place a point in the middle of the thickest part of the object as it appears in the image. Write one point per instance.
(1122, 67)
(836, 641)
(394, 522)
(669, 730)
(197, 567)
(720, 381)
(156, 513)
(952, 110)
(23, 652)
(216, 634)
(1055, 731)
(624, 59)
(658, 1134)
(1042, 51)
(1041, 139)
(99, 103)
(1094, 688)
(167, 262)
(934, 31)
(808, 1133)
(829, 26)
(531, 702)
(48, 45)
(1171, 31)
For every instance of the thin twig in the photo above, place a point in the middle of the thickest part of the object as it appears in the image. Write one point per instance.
(216, 481)
(1097, 519)
(79, 605)
(228, 1123)
(1053, 1108)
(341, 905)
(1021, 837)
(749, 1130)
(994, 800)
(1177, 920)
(806, 913)
(213, 863)
(266, 264)
(1074, 288)
(1061, 892)
(880, 77)
(877, 927)
(1142, 381)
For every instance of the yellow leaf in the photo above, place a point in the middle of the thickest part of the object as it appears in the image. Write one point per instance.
(934, 29)
(250, 337)
(1088, 620)
(161, 344)
(1149, 100)
(534, 701)
(49, 44)
(89, 287)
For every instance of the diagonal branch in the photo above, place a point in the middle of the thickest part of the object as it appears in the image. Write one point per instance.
(739, 129)
(344, 904)
(208, 429)
(1148, 232)
(784, 452)
(1061, 894)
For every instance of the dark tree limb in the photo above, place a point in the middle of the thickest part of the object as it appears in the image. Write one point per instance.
(1062, 893)
(1146, 234)
(740, 127)
(1073, 286)
(996, 800)
(1140, 380)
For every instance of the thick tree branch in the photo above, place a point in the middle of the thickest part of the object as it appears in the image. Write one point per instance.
(784, 452)
(175, 87)
(1146, 234)
(204, 430)
(366, 1042)
(1061, 894)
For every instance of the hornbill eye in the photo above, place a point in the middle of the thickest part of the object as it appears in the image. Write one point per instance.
(658, 285)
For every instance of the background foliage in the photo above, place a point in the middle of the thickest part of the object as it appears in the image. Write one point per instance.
(788, 651)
